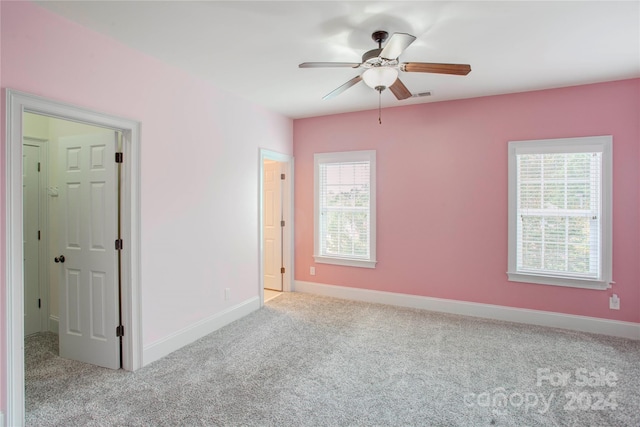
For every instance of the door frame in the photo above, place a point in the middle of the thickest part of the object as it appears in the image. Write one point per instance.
(16, 103)
(43, 279)
(287, 210)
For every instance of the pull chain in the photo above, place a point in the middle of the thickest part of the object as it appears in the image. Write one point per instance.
(379, 107)
(380, 89)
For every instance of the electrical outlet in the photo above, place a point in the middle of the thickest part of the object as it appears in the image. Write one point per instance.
(226, 294)
(312, 271)
(614, 302)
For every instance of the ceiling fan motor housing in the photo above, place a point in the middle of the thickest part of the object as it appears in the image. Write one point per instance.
(372, 54)
(372, 59)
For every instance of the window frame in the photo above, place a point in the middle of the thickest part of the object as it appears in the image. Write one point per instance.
(603, 144)
(340, 157)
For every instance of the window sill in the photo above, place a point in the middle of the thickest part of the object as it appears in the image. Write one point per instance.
(558, 281)
(349, 262)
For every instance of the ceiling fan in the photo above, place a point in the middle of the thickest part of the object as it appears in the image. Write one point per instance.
(382, 66)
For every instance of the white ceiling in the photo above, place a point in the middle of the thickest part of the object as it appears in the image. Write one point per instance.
(253, 49)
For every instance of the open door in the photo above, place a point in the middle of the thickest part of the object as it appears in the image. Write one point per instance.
(88, 261)
(273, 226)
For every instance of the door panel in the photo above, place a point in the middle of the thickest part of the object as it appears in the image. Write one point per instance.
(272, 230)
(89, 294)
(72, 313)
(31, 189)
(73, 202)
(99, 207)
(98, 295)
(270, 264)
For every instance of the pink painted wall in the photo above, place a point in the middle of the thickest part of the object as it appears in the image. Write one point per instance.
(200, 157)
(442, 194)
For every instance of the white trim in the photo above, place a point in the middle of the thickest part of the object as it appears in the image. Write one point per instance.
(488, 311)
(16, 104)
(604, 144)
(288, 238)
(570, 282)
(351, 262)
(194, 332)
(1, 419)
(54, 322)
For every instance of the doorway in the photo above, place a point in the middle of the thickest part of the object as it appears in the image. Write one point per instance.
(19, 103)
(276, 224)
(84, 291)
(34, 183)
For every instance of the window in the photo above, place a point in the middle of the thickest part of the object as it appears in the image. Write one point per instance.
(345, 208)
(560, 212)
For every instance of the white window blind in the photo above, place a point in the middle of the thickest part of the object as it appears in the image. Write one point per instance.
(345, 208)
(561, 211)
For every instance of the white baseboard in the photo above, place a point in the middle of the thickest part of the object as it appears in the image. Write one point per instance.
(1, 419)
(54, 322)
(194, 332)
(497, 312)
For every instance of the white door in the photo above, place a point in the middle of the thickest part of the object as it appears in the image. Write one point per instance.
(88, 294)
(31, 196)
(272, 211)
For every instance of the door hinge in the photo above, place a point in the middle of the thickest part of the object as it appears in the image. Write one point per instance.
(38, 166)
(119, 244)
(282, 223)
(281, 270)
(282, 176)
(38, 234)
(39, 303)
(119, 331)
(119, 157)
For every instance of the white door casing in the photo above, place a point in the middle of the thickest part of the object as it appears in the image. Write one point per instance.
(31, 194)
(272, 229)
(287, 167)
(88, 295)
(13, 367)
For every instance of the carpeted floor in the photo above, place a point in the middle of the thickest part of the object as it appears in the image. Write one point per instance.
(307, 360)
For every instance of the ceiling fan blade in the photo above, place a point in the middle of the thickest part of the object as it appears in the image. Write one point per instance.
(396, 45)
(432, 67)
(342, 88)
(329, 64)
(400, 90)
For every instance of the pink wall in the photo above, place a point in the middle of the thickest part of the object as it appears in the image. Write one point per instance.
(200, 156)
(442, 194)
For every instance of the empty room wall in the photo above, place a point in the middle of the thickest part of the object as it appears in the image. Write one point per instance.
(442, 194)
(200, 155)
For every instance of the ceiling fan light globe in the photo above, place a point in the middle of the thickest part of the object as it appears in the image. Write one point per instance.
(380, 76)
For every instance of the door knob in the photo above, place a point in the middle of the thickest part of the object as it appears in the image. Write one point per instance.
(59, 258)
